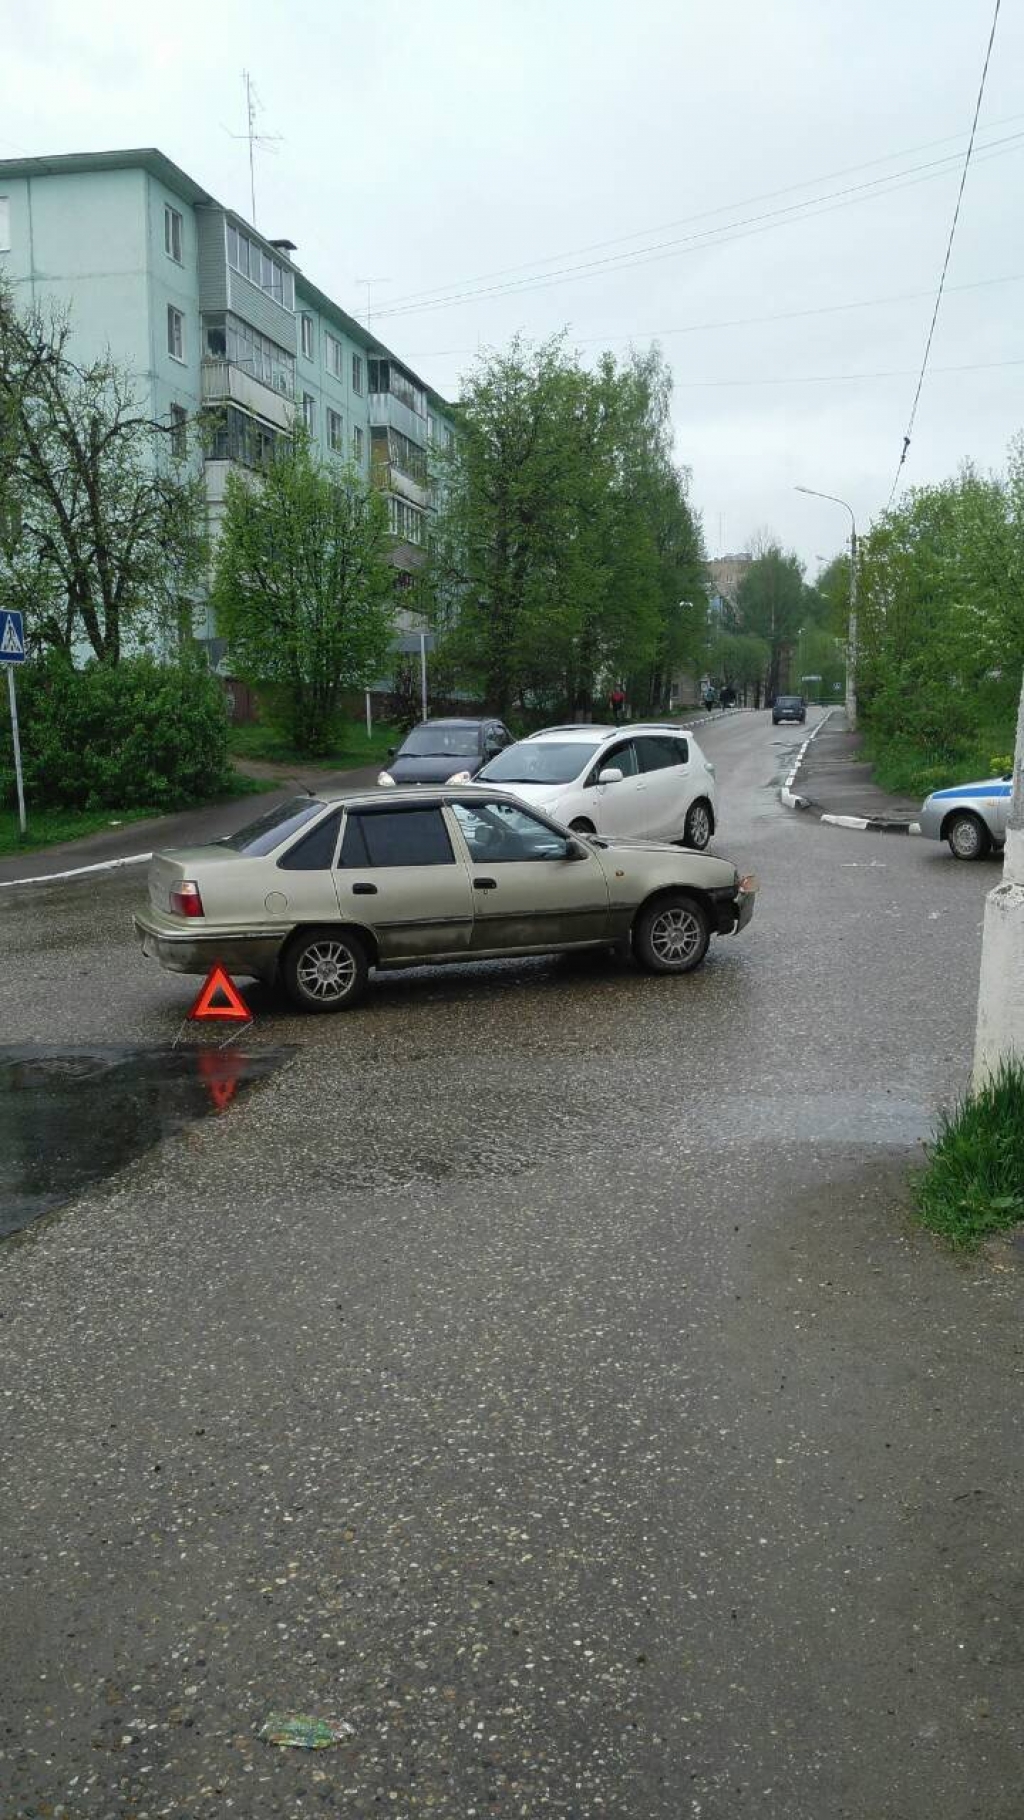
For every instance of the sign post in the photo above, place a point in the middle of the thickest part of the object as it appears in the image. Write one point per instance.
(12, 651)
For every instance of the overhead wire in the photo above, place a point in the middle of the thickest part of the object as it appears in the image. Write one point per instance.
(945, 263)
(723, 208)
(809, 209)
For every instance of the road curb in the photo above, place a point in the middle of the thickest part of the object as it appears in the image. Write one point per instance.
(861, 824)
(56, 878)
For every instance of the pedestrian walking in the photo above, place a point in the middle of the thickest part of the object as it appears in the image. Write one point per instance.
(617, 698)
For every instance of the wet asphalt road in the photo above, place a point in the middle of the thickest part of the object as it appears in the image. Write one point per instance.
(538, 1372)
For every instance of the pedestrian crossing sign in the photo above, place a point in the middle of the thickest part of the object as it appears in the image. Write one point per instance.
(12, 637)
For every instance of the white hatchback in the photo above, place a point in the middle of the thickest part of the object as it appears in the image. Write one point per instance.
(645, 782)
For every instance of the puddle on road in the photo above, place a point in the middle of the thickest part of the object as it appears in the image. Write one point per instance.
(71, 1117)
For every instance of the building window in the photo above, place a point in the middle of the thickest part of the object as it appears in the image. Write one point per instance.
(245, 255)
(172, 233)
(5, 224)
(449, 437)
(357, 445)
(406, 521)
(357, 374)
(175, 333)
(335, 359)
(309, 412)
(334, 431)
(307, 336)
(179, 444)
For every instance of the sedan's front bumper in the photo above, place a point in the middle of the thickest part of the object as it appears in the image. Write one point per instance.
(931, 818)
(196, 951)
(734, 906)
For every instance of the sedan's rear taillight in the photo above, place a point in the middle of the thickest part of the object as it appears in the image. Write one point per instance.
(186, 899)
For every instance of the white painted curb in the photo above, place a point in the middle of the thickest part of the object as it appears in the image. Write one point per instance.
(863, 824)
(786, 795)
(54, 878)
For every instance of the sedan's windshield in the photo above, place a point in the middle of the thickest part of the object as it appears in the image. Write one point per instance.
(264, 835)
(441, 742)
(546, 761)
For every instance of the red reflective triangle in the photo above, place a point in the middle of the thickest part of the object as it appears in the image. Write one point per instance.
(219, 982)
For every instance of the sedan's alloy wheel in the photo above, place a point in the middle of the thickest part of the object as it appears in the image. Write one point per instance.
(326, 970)
(676, 935)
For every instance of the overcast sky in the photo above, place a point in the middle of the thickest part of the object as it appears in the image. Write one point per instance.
(430, 144)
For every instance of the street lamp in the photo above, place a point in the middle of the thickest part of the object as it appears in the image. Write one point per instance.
(851, 637)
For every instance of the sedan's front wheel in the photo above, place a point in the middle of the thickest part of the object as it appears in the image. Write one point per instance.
(325, 970)
(672, 935)
(968, 837)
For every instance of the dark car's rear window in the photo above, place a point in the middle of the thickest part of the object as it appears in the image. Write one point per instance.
(275, 826)
(789, 701)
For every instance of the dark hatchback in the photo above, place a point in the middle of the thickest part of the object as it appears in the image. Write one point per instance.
(437, 750)
(789, 707)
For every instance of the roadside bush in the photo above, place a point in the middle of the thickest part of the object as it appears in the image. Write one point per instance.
(974, 1182)
(138, 734)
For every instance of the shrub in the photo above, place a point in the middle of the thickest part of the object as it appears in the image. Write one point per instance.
(138, 734)
(974, 1182)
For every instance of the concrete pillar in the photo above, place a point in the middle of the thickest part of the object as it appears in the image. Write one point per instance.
(1000, 1032)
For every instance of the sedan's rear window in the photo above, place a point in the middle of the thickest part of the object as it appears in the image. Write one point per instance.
(396, 837)
(275, 827)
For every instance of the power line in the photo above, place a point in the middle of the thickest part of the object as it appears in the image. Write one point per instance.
(945, 263)
(719, 236)
(744, 322)
(973, 366)
(597, 246)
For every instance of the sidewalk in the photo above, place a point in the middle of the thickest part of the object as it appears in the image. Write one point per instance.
(187, 828)
(837, 781)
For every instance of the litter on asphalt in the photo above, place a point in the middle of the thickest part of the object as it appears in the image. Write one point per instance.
(304, 1731)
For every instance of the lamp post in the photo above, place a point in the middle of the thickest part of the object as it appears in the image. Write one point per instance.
(851, 636)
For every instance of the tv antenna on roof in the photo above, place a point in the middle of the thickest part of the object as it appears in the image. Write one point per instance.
(267, 142)
(368, 282)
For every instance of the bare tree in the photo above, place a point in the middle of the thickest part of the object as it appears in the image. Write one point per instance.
(107, 508)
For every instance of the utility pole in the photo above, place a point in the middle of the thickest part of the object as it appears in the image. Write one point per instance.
(267, 142)
(1000, 1031)
(851, 635)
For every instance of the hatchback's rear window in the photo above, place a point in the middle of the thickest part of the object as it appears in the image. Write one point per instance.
(275, 827)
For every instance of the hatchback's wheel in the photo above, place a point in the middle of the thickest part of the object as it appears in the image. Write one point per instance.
(697, 829)
(325, 970)
(672, 935)
(968, 837)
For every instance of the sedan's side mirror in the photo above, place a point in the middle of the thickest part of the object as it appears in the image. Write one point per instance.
(610, 776)
(574, 849)
(391, 751)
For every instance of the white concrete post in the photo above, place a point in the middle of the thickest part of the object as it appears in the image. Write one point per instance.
(1000, 1032)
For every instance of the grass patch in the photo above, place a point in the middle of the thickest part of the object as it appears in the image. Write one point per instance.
(914, 770)
(351, 747)
(48, 827)
(974, 1181)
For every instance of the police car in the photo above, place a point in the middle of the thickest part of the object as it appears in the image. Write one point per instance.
(971, 818)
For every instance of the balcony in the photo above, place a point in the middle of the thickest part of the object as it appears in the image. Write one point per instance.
(223, 381)
(388, 411)
(392, 479)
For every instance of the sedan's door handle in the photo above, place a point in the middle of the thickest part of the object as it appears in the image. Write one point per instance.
(485, 884)
(364, 890)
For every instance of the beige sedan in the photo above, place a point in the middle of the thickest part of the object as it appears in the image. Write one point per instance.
(324, 888)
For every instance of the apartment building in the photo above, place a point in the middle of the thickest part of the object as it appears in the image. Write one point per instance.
(210, 314)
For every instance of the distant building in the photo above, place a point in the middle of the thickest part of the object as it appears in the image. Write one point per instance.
(726, 573)
(210, 314)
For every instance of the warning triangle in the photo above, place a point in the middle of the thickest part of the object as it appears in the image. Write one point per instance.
(10, 644)
(221, 1070)
(219, 984)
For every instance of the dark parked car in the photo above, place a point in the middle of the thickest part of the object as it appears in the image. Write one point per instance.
(789, 707)
(437, 750)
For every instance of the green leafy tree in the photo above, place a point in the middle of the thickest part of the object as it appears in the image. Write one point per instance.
(303, 589)
(105, 524)
(770, 605)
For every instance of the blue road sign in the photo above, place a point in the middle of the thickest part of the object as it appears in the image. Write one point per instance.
(12, 637)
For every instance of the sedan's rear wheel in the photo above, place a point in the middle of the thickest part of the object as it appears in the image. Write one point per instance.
(697, 830)
(968, 837)
(672, 934)
(325, 970)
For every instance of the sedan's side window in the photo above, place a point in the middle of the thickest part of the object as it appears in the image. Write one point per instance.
(500, 834)
(494, 740)
(621, 758)
(658, 752)
(315, 851)
(396, 837)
